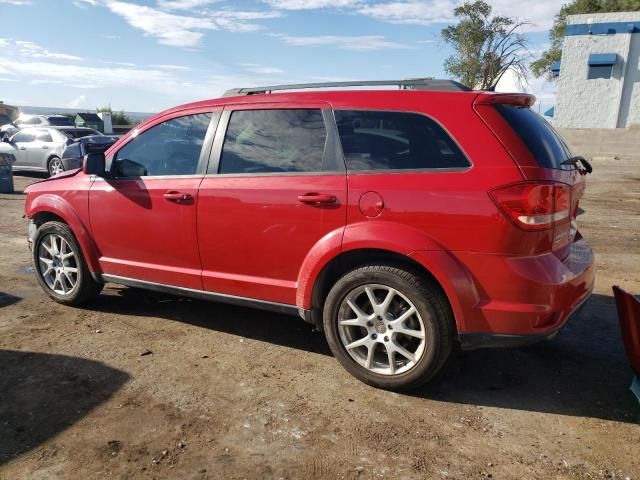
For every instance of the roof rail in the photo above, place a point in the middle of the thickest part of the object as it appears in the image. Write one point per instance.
(406, 84)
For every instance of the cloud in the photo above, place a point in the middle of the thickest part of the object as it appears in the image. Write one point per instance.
(184, 4)
(16, 2)
(356, 43)
(411, 12)
(262, 70)
(78, 102)
(183, 30)
(33, 50)
(311, 4)
(427, 12)
(171, 67)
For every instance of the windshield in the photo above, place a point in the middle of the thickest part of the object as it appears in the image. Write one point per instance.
(541, 139)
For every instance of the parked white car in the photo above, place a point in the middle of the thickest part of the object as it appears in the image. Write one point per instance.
(26, 121)
(40, 149)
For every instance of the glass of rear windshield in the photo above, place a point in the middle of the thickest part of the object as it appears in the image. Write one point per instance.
(61, 122)
(541, 139)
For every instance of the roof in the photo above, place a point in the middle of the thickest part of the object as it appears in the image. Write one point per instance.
(89, 117)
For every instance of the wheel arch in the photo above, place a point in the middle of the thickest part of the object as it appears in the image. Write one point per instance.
(46, 208)
(366, 242)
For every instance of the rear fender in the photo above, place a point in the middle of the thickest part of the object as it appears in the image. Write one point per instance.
(58, 206)
(401, 239)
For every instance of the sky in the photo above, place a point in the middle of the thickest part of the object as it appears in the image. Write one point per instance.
(148, 55)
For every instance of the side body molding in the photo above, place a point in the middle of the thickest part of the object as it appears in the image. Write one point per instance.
(57, 205)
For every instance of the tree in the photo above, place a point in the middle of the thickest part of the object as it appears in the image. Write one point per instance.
(485, 46)
(117, 118)
(542, 65)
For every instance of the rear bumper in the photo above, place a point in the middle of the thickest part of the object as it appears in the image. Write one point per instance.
(473, 341)
(525, 299)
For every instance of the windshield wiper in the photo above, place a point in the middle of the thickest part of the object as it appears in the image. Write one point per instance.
(580, 163)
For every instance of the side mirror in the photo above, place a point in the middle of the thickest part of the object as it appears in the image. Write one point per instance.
(5, 139)
(129, 168)
(94, 164)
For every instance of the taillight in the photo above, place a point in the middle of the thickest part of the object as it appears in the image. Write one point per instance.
(534, 205)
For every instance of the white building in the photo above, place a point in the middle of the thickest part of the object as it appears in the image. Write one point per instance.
(599, 74)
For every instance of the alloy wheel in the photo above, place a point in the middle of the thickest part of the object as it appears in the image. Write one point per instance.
(55, 167)
(381, 329)
(58, 264)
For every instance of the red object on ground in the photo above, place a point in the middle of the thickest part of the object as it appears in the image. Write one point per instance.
(629, 316)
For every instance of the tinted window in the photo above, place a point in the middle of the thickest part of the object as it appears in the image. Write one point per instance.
(169, 148)
(44, 136)
(61, 122)
(260, 141)
(599, 71)
(374, 140)
(72, 151)
(79, 132)
(23, 137)
(33, 121)
(541, 139)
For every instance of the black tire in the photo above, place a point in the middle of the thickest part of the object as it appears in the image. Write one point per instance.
(50, 165)
(431, 304)
(86, 288)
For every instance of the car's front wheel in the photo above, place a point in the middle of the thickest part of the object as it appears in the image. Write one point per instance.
(55, 166)
(388, 327)
(60, 265)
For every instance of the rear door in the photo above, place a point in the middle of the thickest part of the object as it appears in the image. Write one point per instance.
(41, 149)
(275, 186)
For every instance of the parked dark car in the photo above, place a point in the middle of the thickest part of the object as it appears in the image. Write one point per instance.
(74, 153)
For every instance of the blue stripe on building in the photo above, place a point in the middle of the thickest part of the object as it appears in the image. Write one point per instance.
(609, 28)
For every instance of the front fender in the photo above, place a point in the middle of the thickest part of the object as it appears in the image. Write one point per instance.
(57, 205)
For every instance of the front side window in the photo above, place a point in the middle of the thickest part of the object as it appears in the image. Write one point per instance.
(33, 121)
(23, 137)
(378, 140)
(169, 148)
(272, 141)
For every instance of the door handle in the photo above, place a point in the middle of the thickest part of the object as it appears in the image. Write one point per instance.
(317, 198)
(178, 197)
(23, 148)
(44, 147)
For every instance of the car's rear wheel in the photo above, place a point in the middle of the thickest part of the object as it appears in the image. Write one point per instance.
(389, 327)
(60, 265)
(55, 166)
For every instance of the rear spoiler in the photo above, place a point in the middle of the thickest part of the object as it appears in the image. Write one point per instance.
(514, 99)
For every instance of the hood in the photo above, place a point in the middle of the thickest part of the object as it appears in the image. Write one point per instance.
(65, 174)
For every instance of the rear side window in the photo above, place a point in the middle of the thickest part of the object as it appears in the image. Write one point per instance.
(44, 136)
(376, 140)
(546, 146)
(271, 141)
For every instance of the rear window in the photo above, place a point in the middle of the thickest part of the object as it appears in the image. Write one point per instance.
(378, 140)
(541, 139)
(61, 122)
(78, 133)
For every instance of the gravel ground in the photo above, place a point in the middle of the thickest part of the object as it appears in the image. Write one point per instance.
(142, 385)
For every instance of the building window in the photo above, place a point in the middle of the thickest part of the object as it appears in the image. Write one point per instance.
(601, 65)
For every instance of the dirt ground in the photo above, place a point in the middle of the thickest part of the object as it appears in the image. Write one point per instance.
(228, 392)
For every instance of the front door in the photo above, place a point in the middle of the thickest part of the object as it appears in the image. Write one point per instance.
(143, 216)
(21, 141)
(275, 187)
(41, 149)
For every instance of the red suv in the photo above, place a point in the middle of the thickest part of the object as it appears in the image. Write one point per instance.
(400, 222)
